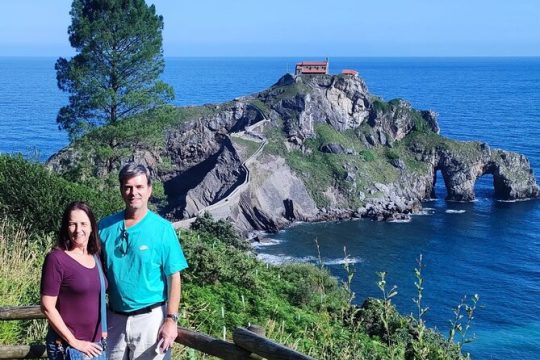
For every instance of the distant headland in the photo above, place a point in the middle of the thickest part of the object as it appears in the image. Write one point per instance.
(312, 147)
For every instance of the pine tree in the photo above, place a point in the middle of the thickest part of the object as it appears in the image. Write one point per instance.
(115, 73)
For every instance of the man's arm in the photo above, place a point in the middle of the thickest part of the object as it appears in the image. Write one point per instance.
(169, 331)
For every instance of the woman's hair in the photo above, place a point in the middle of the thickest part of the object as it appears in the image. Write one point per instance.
(64, 240)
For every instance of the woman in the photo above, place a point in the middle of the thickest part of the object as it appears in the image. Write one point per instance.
(70, 288)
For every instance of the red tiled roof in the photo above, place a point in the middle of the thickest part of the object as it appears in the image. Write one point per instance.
(312, 63)
(349, 72)
(313, 71)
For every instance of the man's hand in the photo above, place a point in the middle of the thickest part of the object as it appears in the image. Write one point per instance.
(168, 332)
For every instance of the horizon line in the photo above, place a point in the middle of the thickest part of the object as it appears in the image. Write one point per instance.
(307, 56)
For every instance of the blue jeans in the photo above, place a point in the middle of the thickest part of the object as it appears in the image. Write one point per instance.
(59, 350)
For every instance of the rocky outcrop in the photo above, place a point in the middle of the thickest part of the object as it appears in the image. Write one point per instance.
(344, 103)
(397, 119)
(223, 176)
(384, 173)
(335, 149)
(512, 174)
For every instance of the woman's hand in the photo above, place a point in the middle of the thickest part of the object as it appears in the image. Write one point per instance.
(48, 307)
(87, 347)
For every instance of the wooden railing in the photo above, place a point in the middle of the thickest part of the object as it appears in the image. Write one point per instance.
(247, 343)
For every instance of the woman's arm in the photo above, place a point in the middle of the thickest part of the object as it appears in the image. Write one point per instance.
(48, 308)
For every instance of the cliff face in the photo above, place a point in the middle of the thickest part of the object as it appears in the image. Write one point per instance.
(308, 148)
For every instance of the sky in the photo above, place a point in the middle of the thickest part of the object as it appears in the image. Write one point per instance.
(301, 27)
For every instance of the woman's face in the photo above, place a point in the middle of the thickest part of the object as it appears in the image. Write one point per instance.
(79, 228)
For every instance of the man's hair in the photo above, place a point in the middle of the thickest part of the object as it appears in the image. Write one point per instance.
(131, 170)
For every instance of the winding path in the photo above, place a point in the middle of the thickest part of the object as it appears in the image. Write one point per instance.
(215, 207)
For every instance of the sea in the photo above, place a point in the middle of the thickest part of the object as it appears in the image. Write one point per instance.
(486, 247)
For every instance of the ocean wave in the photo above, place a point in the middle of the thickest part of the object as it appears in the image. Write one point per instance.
(266, 242)
(425, 212)
(280, 259)
(296, 223)
(399, 221)
(284, 259)
(513, 201)
(352, 260)
(450, 211)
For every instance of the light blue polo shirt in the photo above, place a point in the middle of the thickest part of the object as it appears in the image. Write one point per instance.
(137, 270)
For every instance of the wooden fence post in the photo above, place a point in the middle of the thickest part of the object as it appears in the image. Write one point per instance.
(265, 347)
(21, 313)
(210, 345)
(261, 331)
(248, 344)
(23, 351)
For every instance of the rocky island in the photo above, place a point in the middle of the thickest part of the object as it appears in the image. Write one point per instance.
(309, 148)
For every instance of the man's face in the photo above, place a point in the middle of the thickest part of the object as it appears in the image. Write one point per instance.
(136, 192)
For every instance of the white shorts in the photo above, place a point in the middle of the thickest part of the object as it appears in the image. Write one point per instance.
(136, 336)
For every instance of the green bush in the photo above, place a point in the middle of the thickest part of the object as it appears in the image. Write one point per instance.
(369, 318)
(308, 285)
(300, 305)
(35, 195)
(213, 261)
(368, 155)
(221, 229)
(420, 124)
(380, 105)
(391, 154)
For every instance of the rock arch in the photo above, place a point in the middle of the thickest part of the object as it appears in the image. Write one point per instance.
(512, 174)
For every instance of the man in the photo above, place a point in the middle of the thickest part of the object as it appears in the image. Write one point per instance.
(143, 259)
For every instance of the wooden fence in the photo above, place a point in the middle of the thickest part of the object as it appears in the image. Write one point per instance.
(247, 343)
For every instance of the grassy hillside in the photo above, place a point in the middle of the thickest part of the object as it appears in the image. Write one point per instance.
(300, 305)
(373, 164)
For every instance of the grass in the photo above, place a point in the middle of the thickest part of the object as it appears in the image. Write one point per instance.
(291, 90)
(261, 106)
(326, 134)
(245, 147)
(276, 140)
(382, 106)
(299, 305)
(21, 256)
(429, 141)
(321, 171)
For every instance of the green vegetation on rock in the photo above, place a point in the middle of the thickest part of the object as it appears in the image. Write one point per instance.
(106, 146)
(145, 130)
(325, 171)
(382, 106)
(245, 147)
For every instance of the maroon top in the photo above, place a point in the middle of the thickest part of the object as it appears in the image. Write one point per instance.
(77, 288)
